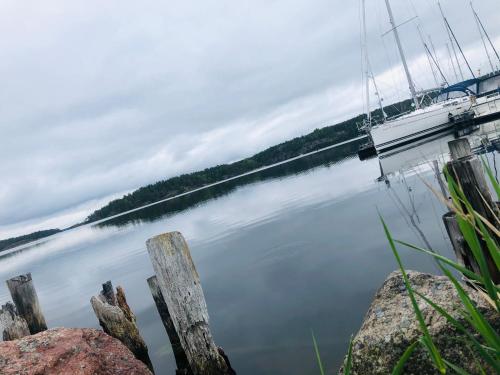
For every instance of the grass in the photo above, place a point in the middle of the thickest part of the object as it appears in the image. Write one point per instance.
(481, 236)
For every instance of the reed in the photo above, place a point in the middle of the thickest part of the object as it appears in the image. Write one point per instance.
(478, 333)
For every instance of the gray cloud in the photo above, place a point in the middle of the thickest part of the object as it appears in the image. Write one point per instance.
(100, 98)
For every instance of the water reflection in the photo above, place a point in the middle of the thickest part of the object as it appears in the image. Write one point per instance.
(181, 203)
(422, 154)
(279, 253)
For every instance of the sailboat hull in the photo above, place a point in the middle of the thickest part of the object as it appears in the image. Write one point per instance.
(417, 125)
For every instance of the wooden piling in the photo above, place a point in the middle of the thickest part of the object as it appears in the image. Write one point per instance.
(117, 320)
(459, 244)
(12, 326)
(468, 171)
(179, 354)
(25, 298)
(180, 286)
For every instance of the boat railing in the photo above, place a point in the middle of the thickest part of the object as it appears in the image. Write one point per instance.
(399, 115)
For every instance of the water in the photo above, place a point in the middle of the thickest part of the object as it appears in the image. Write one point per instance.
(280, 253)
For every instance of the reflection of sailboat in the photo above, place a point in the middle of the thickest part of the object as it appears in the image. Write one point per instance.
(409, 214)
(415, 155)
(421, 154)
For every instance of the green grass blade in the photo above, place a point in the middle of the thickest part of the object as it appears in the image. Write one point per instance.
(470, 236)
(458, 370)
(426, 339)
(398, 369)
(348, 365)
(460, 327)
(469, 233)
(476, 318)
(471, 275)
(490, 242)
(318, 357)
(492, 178)
(452, 187)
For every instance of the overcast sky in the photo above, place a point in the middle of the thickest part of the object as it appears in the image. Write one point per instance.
(101, 97)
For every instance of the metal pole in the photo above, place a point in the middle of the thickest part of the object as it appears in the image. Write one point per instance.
(435, 62)
(488, 37)
(460, 49)
(451, 61)
(403, 58)
(366, 63)
(482, 37)
(427, 54)
(446, 25)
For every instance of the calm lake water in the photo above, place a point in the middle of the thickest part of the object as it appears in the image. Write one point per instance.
(292, 249)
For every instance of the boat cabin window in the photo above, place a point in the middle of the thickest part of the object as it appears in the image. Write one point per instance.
(449, 95)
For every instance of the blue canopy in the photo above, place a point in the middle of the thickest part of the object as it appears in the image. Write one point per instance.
(461, 86)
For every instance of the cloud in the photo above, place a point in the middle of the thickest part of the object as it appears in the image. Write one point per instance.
(100, 98)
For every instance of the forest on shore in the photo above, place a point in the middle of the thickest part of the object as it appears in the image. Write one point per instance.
(317, 139)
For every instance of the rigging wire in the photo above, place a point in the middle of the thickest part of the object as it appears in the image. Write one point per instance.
(427, 53)
(437, 65)
(461, 52)
(361, 57)
(436, 57)
(414, 224)
(482, 37)
(448, 29)
(395, 86)
(450, 61)
(487, 36)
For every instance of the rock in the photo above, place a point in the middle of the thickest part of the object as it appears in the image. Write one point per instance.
(390, 326)
(68, 351)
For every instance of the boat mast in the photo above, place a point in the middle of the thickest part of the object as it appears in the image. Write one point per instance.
(451, 61)
(366, 67)
(402, 54)
(485, 33)
(434, 54)
(377, 93)
(482, 37)
(430, 55)
(446, 25)
(427, 52)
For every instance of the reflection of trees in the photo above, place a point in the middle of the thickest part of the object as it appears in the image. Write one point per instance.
(152, 213)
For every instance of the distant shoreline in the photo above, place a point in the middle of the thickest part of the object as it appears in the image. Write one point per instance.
(319, 139)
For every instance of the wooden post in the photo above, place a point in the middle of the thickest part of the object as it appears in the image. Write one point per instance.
(181, 288)
(462, 251)
(118, 321)
(467, 170)
(12, 326)
(179, 354)
(25, 298)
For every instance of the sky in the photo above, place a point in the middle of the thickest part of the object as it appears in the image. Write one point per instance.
(99, 98)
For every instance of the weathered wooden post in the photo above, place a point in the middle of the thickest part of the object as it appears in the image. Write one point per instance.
(118, 321)
(25, 298)
(12, 326)
(179, 354)
(181, 288)
(467, 169)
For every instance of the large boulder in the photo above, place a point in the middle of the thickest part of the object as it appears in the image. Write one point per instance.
(69, 351)
(390, 326)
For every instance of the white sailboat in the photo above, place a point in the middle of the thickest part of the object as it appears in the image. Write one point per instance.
(479, 98)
